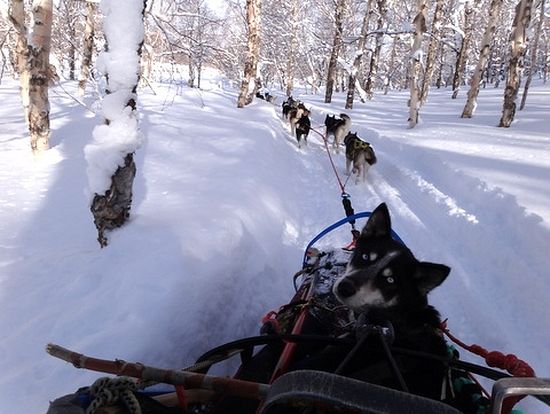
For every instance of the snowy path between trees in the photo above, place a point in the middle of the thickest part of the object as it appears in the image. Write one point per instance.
(224, 204)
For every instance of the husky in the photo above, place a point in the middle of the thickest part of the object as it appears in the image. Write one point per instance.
(360, 154)
(384, 281)
(294, 116)
(337, 127)
(302, 128)
(287, 105)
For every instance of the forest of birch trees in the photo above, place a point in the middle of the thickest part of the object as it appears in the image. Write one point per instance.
(358, 47)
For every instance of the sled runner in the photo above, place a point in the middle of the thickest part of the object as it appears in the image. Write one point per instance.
(308, 359)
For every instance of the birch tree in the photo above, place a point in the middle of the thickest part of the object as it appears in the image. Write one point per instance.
(463, 53)
(432, 50)
(110, 157)
(88, 48)
(252, 53)
(34, 68)
(382, 8)
(534, 50)
(358, 57)
(16, 14)
(484, 50)
(518, 46)
(419, 24)
(335, 51)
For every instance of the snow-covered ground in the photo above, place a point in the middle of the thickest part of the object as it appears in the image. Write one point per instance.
(224, 204)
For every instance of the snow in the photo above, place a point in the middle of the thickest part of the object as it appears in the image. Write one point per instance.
(224, 204)
(119, 65)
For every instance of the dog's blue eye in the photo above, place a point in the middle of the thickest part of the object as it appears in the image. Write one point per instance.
(390, 280)
(369, 257)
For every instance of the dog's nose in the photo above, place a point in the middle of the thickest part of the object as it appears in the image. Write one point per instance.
(345, 288)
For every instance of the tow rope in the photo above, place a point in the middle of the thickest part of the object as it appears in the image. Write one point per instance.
(346, 202)
(510, 363)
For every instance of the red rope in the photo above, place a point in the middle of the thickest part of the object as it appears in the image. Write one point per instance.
(509, 362)
(325, 141)
(180, 392)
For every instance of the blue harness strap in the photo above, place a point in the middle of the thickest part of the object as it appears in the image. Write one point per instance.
(340, 223)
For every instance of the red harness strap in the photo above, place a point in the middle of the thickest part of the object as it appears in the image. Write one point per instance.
(509, 362)
(180, 392)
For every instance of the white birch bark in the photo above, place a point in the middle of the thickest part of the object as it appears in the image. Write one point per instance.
(16, 15)
(252, 52)
(358, 57)
(336, 44)
(419, 23)
(432, 50)
(40, 75)
(88, 48)
(475, 81)
(534, 50)
(518, 46)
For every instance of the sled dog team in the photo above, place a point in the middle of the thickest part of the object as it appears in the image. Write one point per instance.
(359, 153)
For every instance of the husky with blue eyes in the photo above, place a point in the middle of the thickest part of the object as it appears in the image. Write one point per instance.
(384, 281)
(383, 274)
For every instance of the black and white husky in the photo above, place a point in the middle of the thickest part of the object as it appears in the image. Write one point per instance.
(360, 154)
(294, 116)
(302, 128)
(384, 281)
(338, 127)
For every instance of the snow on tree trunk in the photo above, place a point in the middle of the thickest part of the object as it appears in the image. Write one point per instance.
(17, 17)
(462, 54)
(534, 50)
(88, 48)
(111, 167)
(358, 57)
(518, 47)
(40, 75)
(336, 44)
(375, 57)
(419, 23)
(432, 50)
(484, 52)
(252, 53)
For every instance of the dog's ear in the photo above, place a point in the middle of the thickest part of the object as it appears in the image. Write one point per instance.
(430, 275)
(379, 223)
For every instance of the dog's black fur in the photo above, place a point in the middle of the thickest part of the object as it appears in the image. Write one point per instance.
(287, 105)
(387, 285)
(302, 128)
(384, 280)
(338, 128)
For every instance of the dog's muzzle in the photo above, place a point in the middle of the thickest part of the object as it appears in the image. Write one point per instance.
(354, 278)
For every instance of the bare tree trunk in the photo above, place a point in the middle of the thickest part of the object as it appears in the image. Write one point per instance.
(336, 44)
(484, 52)
(252, 52)
(112, 209)
(291, 61)
(382, 9)
(388, 77)
(534, 50)
(40, 75)
(17, 18)
(419, 23)
(88, 48)
(518, 47)
(432, 50)
(461, 59)
(358, 57)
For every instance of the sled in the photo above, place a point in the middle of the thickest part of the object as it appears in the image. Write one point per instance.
(268, 380)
